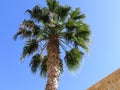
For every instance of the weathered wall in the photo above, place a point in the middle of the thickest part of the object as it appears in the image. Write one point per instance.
(111, 82)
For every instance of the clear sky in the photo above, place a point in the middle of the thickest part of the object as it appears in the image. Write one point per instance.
(103, 17)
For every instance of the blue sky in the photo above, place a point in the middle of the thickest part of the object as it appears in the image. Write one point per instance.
(104, 21)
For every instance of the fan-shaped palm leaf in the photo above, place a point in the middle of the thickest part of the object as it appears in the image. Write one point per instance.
(35, 62)
(24, 33)
(73, 58)
(61, 16)
(52, 4)
(30, 48)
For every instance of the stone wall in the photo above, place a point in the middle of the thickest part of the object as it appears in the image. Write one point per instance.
(111, 82)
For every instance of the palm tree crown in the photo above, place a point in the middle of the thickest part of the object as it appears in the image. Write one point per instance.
(58, 25)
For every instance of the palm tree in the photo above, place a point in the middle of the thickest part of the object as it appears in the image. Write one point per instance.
(50, 29)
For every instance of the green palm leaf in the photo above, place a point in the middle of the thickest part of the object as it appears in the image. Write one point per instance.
(52, 4)
(61, 16)
(35, 13)
(77, 14)
(35, 62)
(43, 72)
(72, 59)
(24, 33)
(30, 48)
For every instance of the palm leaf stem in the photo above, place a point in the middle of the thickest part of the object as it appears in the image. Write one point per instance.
(63, 47)
(66, 43)
(42, 49)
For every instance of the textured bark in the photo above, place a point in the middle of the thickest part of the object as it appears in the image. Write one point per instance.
(53, 63)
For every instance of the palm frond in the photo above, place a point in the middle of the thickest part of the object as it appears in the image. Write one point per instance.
(38, 33)
(24, 33)
(35, 12)
(35, 62)
(77, 14)
(61, 66)
(43, 48)
(82, 36)
(63, 47)
(66, 43)
(80, 42)
(28, 24)
(58, 27)
(66, 9)
(84, 33)
(72, 59)
(67, 36)
(30, 48)
(43, 72)
(17, 34)
(39, 14)
(52, 4)
(71, 24)
(44, 17)
(81, 16)
(36, 30)
(25, 29)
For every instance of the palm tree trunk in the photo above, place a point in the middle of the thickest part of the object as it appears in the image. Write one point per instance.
(53, 63)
